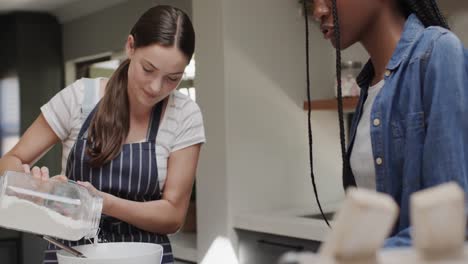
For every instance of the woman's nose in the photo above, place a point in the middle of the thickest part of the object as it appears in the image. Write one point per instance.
(320, 10)
(156, 85)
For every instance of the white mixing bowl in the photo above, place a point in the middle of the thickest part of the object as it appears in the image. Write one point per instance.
(114, 253)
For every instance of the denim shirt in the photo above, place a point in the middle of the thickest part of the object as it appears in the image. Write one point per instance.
(419, 120)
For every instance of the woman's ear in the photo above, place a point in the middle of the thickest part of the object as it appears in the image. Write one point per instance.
(130, 46)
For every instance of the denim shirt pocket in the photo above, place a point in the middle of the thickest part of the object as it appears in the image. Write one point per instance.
(408, 141)
(415, 122)
(406, 133)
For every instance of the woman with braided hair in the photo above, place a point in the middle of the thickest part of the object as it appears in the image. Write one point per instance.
(410, 129)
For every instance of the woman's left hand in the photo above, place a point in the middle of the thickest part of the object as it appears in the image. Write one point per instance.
(105, 196)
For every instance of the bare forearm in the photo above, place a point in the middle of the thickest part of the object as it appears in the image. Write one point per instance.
(159, 216)
(164, 216)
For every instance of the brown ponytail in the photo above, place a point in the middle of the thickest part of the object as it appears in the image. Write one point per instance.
(111, 123)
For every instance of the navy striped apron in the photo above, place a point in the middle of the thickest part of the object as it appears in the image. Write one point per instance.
(132, 175)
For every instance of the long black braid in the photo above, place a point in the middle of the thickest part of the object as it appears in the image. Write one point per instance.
(336, 21)
(426, 10)
(309, 127)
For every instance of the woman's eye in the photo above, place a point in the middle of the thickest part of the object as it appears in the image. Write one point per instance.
(147, 70)
(173, 79)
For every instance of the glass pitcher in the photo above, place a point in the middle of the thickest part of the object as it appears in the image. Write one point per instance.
(51, 207)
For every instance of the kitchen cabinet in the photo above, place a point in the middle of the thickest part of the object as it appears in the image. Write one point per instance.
(177, 261)
(265, 237)
(10, 250)
(259, 248)
(10, 246)
(32, 52)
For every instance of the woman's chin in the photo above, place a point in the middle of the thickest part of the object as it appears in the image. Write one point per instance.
(343, 45)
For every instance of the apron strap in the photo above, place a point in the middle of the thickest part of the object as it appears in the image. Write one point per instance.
(89, 106)
(91, 92)
(155, 120)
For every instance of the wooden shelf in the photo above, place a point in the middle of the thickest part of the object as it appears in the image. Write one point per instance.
(349, 104)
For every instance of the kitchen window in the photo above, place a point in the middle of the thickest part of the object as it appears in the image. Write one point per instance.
(9, 113)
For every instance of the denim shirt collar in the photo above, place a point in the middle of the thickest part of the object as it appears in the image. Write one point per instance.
(411, 32)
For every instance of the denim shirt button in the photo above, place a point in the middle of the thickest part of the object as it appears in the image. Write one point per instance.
(387, 73)
(379, 161)
(376, 122)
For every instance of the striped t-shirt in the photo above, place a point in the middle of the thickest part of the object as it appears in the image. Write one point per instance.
(181, 126)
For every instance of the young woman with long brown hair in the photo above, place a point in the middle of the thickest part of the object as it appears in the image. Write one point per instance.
(133, 139)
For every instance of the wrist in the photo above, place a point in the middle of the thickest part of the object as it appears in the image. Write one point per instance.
(107, 203)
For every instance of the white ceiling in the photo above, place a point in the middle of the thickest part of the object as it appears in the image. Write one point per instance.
(65, 10)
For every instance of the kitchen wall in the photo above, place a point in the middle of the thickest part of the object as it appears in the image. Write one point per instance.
(212, 188)
(267, 150)
(457, 12)
(107, 30)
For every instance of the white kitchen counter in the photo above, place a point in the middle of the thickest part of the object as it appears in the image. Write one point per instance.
(286, 222)
(390, 256)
